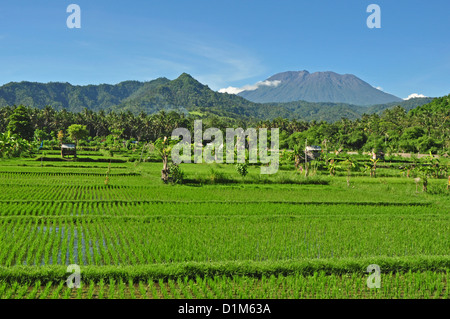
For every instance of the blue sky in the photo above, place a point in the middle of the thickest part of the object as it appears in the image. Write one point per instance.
(227, 43)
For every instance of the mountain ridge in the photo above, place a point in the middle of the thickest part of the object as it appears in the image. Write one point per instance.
(184, 94)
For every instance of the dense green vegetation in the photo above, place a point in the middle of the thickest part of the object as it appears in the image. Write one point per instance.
(423, 129)
(66, 96)
(184, 94)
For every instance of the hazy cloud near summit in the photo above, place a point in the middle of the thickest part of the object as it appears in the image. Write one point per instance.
(414, 95)
(235, 90)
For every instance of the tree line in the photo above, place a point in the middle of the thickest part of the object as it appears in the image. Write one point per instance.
(424, 129)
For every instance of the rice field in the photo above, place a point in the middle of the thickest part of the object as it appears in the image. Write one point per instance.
(423, 285)
(282, 237)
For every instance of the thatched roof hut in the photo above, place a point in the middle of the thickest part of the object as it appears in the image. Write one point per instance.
(68, 149)
(313, 152)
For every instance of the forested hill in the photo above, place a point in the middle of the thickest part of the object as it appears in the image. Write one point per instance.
(441, 104)
(407, 105)
(73, 98)
(183, 94)
(187, 94)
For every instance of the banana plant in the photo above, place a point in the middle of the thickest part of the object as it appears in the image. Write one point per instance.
(332, 166)
(298, 153)
(350, 164)
(373, 168)
(430, 167)
(436, 167)
(12, 145)
(407, 169)
(164, 147)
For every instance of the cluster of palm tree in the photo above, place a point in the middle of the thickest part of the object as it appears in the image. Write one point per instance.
(141, 127)
(420, 130)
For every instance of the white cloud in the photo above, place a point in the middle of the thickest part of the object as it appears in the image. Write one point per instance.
(379, 88)
(231, 90)
(234, 90)
(414, 95)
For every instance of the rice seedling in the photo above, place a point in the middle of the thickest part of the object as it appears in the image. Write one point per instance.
(101, 289)
(91, 290)
(131, 289)
(112, 289)
(46, 291)
(154, 291)
(142, 290)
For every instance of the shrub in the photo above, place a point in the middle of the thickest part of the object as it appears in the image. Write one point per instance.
(242, 169)
(176, 175)
(217, 177)
(106, 153)
(132, 159)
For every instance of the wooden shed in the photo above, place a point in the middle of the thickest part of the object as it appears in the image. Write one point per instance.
(68, 149)
(313, 152)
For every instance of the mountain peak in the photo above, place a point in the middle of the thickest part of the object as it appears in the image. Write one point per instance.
(185, 76)
(326, 86)
(288, 75)
(187, 79)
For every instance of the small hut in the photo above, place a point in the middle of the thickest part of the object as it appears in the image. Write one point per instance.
(68, 149)
(313, 152)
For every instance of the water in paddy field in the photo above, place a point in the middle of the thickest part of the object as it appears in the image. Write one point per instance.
(66, 235)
